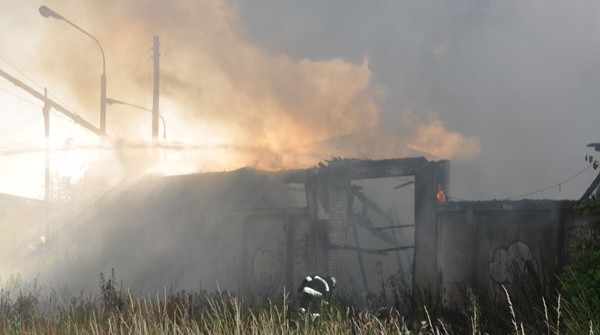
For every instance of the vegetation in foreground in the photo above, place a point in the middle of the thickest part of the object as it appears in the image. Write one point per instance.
(541, 300)
(114, 310)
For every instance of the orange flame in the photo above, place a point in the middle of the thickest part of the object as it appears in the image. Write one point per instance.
(441, 196)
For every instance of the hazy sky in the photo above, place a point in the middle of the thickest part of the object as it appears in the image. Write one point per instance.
(508, 90)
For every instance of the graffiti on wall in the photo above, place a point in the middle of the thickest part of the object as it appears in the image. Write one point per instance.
(516, 254)
(580, 231)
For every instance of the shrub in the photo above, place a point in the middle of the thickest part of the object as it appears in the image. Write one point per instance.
(581, 279)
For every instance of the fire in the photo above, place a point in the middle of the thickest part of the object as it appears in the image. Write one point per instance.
(441, 196)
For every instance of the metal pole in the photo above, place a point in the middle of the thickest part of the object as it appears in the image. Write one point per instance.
(111, 101)
(155, 91)
(103, 103)
(102, 78)
(47, 180)
(47, 12)
(46, 111)
(591, 189)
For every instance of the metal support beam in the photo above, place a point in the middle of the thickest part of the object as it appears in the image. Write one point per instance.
(591, 189)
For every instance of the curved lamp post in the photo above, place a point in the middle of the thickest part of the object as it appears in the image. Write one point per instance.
(111, 101)
(47, 12)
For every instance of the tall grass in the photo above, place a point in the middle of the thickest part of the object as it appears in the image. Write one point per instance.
(25, 309)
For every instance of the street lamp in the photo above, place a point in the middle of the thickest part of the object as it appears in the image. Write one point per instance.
(47, 12)
(111, 101)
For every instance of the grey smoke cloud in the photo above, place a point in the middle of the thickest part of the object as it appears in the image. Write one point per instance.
(518, 79)
(522, 76)
(265, 100)
(508, 90)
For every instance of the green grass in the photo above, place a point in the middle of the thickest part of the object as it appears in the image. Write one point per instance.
(24, 309)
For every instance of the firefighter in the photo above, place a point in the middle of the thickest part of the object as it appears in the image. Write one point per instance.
(314, 291)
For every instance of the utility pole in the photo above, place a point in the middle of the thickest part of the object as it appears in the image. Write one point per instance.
(53, 104)
(46, 110)
(155, 57)
(47, 180)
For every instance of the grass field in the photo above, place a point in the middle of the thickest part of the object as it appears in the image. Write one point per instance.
(25, 309)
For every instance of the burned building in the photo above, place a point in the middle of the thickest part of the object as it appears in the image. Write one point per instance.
(253, 231)
(260, 233)
(332, 199)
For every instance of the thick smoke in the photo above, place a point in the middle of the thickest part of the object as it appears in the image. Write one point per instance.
(521, 76)
(218, 85)
(507, 90)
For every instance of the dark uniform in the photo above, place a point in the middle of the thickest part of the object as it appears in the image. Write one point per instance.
(314, 291)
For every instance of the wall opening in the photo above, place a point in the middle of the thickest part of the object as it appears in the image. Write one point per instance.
(297, 193)
(381, 232)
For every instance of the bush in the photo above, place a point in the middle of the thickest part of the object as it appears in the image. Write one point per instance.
(581, 278)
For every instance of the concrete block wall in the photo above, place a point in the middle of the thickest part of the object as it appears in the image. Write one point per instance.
(332, 211)
(479, 242)
(337, 228)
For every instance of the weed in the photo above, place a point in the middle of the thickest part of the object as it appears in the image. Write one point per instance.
(113, 296)
(114, 310)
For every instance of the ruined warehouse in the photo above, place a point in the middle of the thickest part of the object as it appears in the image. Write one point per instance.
(257, 232)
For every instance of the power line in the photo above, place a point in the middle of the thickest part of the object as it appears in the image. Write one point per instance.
(40, 86)
(59, 118)
(21, 72)
(559, 185)
(20, 97)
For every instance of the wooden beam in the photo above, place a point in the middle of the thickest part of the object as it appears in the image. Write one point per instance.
(404, 184)
(370, 169)
(365, 223)
(392, 212)
(406, 247)
(394, 227)
(353, 248)
(359, 255)
(371, 204)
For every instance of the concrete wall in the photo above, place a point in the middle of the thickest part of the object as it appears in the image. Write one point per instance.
(427, 181)
(241, 231)
(477, 242)
(278, 249)
(337, 224)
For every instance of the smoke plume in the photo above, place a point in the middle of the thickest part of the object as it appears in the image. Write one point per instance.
(217, 86)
